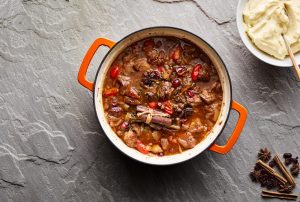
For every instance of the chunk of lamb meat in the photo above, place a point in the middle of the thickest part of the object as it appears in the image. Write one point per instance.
(124, 80)
(207, 97)
(190, 52)
(194, 101)
(115, 111)
(217, 87)
(130, 138)
(131, 101)
(155, 57)
(187, 141)
(128, 63)
(141, 64)
(164, 143)
(165, 90)
(133, 92)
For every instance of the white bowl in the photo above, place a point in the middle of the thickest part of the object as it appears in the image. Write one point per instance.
(252, 48)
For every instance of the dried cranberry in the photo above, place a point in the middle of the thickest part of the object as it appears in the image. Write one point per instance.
(180, 70)
(176, 83)
(287, 155)
(190, 93)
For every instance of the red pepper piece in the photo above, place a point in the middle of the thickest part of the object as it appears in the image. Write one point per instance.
(153, 105)
(168, 108)
(110, 92)
(141, 147)
(115, 71)
(195, 72)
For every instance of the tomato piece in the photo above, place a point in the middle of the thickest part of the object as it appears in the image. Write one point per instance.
(153, 105)
(141, 147)
(160, 69)
(168, 108)
(110, 92)
(176, 53)
(195, 72)
(115, 71)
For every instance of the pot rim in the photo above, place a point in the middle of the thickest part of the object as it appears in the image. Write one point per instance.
(175, 28)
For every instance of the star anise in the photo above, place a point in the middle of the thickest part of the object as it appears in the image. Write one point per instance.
(295, 169)
(264, 155)
(285, 188)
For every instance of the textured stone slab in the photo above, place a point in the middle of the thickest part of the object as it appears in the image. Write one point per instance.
(51, 147)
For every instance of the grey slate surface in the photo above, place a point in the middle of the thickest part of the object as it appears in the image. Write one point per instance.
(51, 146)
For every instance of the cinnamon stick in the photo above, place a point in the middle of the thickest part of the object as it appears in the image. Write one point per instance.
(284, 171)
(141, 108)
(272, 172)
(157, 119)
(279, 195)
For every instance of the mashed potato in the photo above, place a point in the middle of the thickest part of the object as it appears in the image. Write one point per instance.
(266, 20)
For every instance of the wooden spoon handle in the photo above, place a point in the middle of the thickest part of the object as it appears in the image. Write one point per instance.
(295, 65)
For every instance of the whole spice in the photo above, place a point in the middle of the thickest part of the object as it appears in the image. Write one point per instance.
(264, 155)
(272, 194)
(284, 171)
(287, 155)
(288, 161)
(272, 172)
(285, 188)
(255, 175)
(295, 169)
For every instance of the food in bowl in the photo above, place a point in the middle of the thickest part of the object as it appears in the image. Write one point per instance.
(162, 95)
(266, 20)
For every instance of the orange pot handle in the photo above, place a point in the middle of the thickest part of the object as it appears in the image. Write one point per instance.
(236, 132)
(87, 60)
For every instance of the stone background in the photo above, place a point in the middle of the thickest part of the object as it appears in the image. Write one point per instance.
(51, 146)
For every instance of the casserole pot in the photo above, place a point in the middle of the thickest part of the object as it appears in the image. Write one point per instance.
(227, 104)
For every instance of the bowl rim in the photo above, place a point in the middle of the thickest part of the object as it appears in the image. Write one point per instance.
(225, 71)
(252, 48)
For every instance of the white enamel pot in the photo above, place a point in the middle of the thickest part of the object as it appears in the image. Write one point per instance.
(228, 104)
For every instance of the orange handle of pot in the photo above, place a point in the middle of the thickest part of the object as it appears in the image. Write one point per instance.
(236, 132)
(87, 60)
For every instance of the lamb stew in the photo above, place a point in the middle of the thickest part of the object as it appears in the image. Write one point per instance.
(162, 96)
